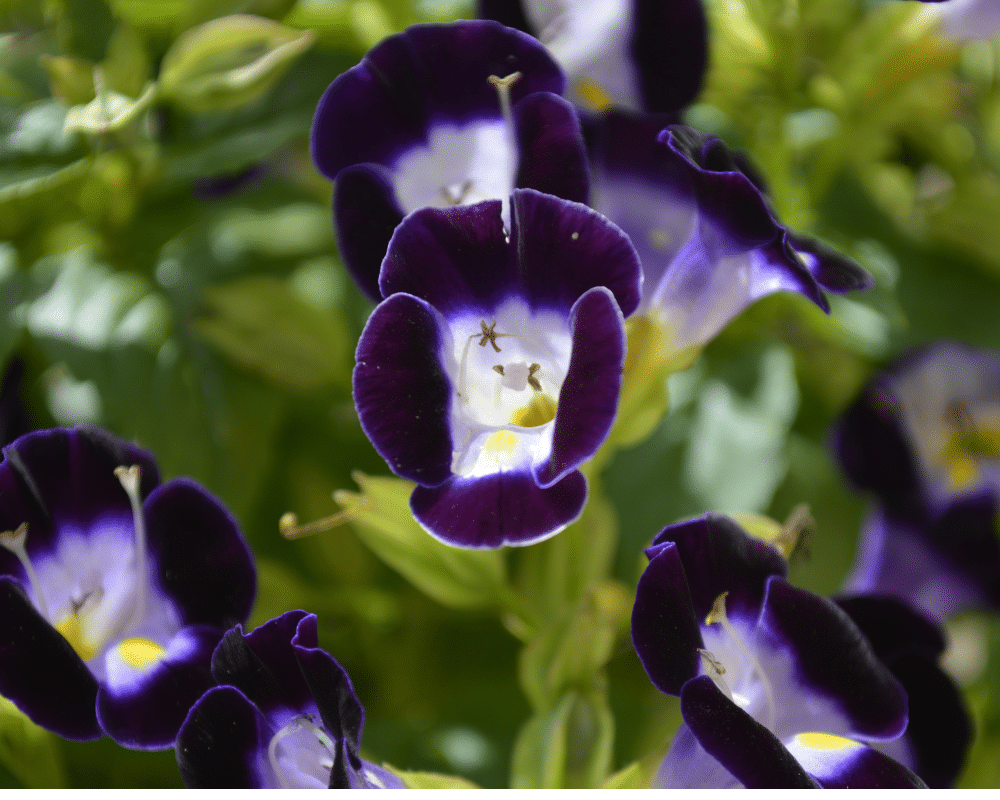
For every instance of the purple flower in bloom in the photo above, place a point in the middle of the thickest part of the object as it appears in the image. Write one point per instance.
(641, 55)
(708, 240)
(114, 589)
(492, 370)
(939, 733)
(777, 685)
(968, 19)
(440, 116)
(284, 716)
(924, 438)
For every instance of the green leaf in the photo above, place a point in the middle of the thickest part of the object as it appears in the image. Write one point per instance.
(431, 780)
(267, 329)
(228, 62)
(569, 747)
(30, 753)
(455, 578)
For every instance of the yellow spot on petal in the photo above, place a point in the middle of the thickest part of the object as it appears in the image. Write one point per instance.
(825, 741)
(140, 652)
(540, 410)
(594, 94)
(504, 441)
(71, 629)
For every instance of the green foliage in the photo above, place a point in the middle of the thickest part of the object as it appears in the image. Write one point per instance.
(168, 269)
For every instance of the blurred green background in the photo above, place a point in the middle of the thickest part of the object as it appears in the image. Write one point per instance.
(168, 269)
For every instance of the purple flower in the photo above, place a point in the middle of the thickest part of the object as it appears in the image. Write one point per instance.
(284, 716)
(641, 55)
(492, 369)
(968, 19)
(924, 438)
(441, 116)
(113, 589)
(708, 240)
(777, 685)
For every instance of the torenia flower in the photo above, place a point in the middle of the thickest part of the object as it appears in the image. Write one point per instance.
(492, 370)
(114, 589)
(641, 55)
(924, 438)
(708, 241)
(284, 716)
(441, 116)
(777, 685)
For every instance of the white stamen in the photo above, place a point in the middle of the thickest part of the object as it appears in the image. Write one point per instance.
(502, 86)
(718, 616)
(129, 477)
(15, 542)
(715, 671)
(305, 723)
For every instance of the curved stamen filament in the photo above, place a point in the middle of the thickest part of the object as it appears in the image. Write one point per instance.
(15, 542)
(718, 616)
(502, 86)
(129, 477)
(303, 722)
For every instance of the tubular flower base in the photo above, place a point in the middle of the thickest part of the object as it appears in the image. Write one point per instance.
(284, 716)
(924, 437)
(441, 116)
(114, 590)
(777, 685)
(493, 368)
(706, 236)
(641, 55)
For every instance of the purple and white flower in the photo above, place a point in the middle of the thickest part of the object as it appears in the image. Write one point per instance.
(114, 589)
(492, 369)
(441, 116)
(640, 55)
(284, 716)
(778, 687)
(709, 243)
(924, 438)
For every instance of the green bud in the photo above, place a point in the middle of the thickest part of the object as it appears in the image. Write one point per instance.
(109, 111)
(569, 747)
(228, 62)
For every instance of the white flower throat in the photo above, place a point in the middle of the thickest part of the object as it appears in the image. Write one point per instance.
(507, 373)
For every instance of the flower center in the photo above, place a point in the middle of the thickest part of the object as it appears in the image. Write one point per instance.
(971, 440)
(507, 371)
(738, 657)
(301, 752)
(76, 593)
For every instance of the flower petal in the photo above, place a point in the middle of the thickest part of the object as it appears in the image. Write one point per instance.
(834, 660)
(401, 391)
(552, 155)
(365, 214)
(494, 510)
(665, 631)
(142, 707)
(589, 395)
(563, 249)
(218, 740)
(203, 562)
(41, 673)
(719, 556)
(842, 764)
(65, 476)
(745, 747)
(454, 259)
